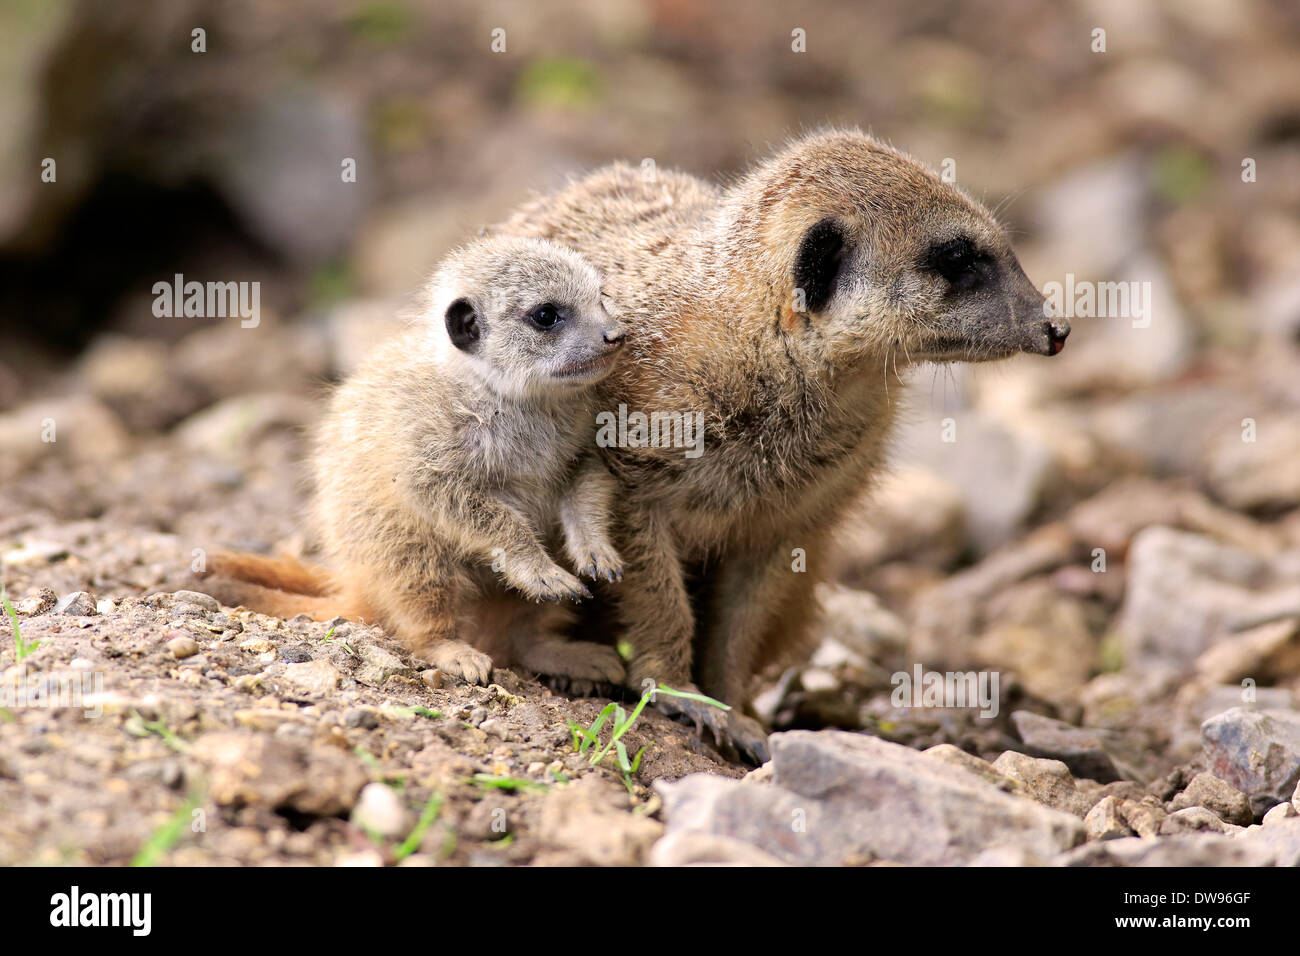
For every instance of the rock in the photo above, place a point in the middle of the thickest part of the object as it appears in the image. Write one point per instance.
(1208, 791)
(858, 621)
(838, 797)
(1263, 654)
(360, 858)
(77, 429)
(1104, 822)
(43, 600)
(79, 603)
(312, 679)
(1278, 843)
(225, 431)
(1295, 798)
(1042, 635)
(913, 514)
(135, 378)
(182, 647)
(999, 471)
(689, 848)
(1007, 856)
(1193, 849)
(204, 601)
(1143, 816)
(1283, 811)
(1185, 592)
(248, 769)
(379, 810)
(364, 718)
(1258, 752)
(378, 665)
(1260, 474)
(1047, 781)
(947, 614)
(586, 820)
(34, 554)
(989, 772)
(1204, 703)
(1081, 750)
(1192, 819)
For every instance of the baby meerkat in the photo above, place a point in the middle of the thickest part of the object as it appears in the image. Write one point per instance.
(452, 460)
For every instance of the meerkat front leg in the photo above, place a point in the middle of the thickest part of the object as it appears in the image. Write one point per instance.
(748, 601)
(500, 535)
(585, 512)
(658, 622)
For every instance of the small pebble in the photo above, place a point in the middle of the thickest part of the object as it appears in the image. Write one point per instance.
(79, 603)
(182, 647)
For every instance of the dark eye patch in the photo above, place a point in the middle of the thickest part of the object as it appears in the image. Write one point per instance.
(959, 262)
(546, 317)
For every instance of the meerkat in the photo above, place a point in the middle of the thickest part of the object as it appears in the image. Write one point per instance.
(451, 461)
(784, 308)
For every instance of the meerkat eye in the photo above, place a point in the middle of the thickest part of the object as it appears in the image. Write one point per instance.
(958, 262)
(545, 316)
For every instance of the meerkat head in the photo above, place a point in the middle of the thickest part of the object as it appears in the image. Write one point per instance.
(527, 315)
(880, 255)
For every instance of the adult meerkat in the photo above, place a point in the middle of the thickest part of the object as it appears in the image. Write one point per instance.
(452, 460)
(783, 308)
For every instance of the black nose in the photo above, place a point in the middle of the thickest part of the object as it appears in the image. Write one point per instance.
(613, 337)
(1058, 330)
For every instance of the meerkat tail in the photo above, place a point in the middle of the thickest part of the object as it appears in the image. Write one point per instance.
(281, 573)
(285, 604)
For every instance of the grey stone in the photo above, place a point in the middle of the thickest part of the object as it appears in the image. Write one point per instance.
(1082, 750)
(839, 797)
(1193, 849)
(1258, 752)
(378, 665)
(1222, 799)
(1186, 591)
(1104, 822)
(1283, 811)
(205, 601)
(1278, 843)
(1192, 819)
(691, 848)
(79, 603)
(1047, 781)
(312, 679)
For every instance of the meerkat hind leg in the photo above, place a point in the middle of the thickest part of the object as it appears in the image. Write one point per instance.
(426, 622)
(579, 667)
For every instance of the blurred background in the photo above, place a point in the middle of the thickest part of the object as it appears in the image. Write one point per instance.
(1117, 164)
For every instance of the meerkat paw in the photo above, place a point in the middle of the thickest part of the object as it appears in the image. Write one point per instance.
(547, 583)
(748, 738)
(459, 660)
(600, 563)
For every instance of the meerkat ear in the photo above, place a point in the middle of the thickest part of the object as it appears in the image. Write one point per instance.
(817, 264)
(462, 324)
